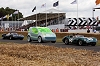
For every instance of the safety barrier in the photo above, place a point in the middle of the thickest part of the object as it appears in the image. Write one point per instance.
(59, 30)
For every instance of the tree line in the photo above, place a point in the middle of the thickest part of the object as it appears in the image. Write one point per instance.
(7, 14)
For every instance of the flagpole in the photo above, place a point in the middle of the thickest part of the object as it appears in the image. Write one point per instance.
(46, 15)
(77, 15)
(36, 15)
(18, 19)
(15, 22)
(58, 17)
(2, 23)
(93, 12)
(36, 19)
(12, 23)
(8, 21)
(12, 17)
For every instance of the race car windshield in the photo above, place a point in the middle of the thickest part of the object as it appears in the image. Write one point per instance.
(44, 30)
(79, 35)
(14, 33)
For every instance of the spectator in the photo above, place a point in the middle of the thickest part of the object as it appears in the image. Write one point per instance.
(76, 34)
(57, 30)
(53, 30)
(73, 34)
(88, 31)
(94, 31)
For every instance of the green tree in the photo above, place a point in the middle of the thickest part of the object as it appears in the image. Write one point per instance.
(7, 10)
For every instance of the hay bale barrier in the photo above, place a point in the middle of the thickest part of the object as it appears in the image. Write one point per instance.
(12, 54)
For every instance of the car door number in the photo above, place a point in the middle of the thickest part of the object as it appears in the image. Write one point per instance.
(70, 40)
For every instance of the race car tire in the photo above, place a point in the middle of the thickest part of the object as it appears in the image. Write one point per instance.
(66, 41)
(40, 39)
(80, 42)
(29, 39)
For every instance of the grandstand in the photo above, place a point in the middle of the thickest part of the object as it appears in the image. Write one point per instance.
(46, 18)
(55, 19)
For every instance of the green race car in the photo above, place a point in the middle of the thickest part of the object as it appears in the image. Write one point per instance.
(79, 40)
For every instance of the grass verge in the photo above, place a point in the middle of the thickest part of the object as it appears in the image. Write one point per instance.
(12, 54)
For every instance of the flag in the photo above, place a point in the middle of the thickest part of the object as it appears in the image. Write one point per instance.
(97, 2)
(16, 12)
(7, 16)
(4, 16)
(34, 9)
(56, 4)
(1, 18)
(43, 5)
(10, 15)
(74, 2)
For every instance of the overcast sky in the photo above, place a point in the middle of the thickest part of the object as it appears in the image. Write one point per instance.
(25, 7)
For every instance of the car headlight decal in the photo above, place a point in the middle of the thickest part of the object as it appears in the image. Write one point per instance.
(90, 38)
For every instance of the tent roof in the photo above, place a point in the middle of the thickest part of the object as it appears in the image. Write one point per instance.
(97, 8)
(51, 13)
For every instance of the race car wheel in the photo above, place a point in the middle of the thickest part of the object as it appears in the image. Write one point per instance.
(3, 37)
(53, 41)
(40, 39)
(10, 37)
(66, 41)
(29, 39)
(21, 39)
(80, 43)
